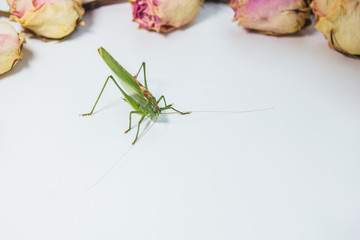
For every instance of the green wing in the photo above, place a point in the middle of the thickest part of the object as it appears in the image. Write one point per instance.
(126, 79)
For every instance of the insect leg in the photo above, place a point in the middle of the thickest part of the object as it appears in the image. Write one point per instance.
(137, 132)
(130, 119)
(128, 98)
(142, 66)
(92, 110)
(163, 98)
(169, 106)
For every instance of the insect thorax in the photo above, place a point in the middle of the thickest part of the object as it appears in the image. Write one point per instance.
(152, 108)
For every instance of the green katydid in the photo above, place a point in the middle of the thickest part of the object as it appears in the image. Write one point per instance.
(137, 95)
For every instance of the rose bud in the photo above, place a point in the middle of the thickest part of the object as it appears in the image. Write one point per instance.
(11, 43)
(273, 17)
(53, 19)
(321, 8)
(164, 15)
(341, 27)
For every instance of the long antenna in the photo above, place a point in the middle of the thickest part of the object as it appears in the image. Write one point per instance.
(245, 111)
(110, 169)
(149, 128)
(117, 161)
(128, 150)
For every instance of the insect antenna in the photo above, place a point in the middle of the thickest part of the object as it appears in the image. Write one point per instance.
(117, 161)
(149, 128)
(245, 111)
(110, 169)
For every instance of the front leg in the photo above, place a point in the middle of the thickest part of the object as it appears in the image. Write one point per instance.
(138, 112)
(169, 106)
(137, 132)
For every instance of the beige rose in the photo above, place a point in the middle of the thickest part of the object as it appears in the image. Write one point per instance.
(52, 19)
(341, 26)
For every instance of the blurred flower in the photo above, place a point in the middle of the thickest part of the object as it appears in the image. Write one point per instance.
(341, 26)
(47, 18)
(164, 15)
(274, 17)
(11, 43)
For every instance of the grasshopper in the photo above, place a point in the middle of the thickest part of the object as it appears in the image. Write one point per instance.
(136, 95)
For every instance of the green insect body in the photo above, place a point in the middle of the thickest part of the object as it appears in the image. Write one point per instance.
(137, 95)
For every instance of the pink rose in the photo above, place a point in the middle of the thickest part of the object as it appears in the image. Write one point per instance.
(274, 17)
(164, 15)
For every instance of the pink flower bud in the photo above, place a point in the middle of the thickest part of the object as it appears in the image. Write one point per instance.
(164, 15)
(47, 18)
(274, 17)
(341, 26)
(11, 43)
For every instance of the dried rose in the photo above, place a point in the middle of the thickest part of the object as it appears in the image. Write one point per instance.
(164, 15)
(273, 17)
(341, 26)
(11, 43)
(321, 8)
(53, 19)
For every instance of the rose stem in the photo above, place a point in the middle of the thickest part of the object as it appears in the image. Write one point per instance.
(88, 6)
(4, 14)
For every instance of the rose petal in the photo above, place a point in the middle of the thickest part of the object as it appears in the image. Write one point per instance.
(10, 47)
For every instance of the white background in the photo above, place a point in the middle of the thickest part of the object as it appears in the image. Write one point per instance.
(291, 172)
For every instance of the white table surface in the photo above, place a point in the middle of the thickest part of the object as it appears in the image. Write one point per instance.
(291, 172)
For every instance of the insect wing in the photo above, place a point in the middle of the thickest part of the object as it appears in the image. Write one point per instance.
(126, 79)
